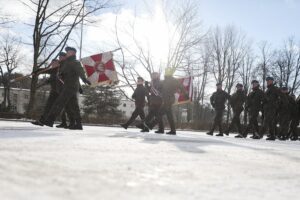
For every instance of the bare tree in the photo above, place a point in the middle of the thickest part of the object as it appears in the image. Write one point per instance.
(53, 25)
(184, 29)
(287, 67)
(10, 58)
(265, 62)
(246, 73)
(229, 47)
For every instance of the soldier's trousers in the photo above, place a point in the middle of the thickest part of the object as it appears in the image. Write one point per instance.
(139, 111)
(66, 112)
(293, 132)
(218, 121)
(284, 122)
(167, 109)
(236, 121)
(50, 101)
(153, 117)
(269, 122)
(253, 123)
(66, 100)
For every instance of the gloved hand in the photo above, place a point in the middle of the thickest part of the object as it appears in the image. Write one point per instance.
(80, 90)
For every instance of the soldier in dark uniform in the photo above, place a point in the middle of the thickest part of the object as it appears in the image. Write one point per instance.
(139, 95)
(169, 87)
(254, 104)
(54, 86)
(70, 73)
(218, 100)
(237, 101)
(295, 111)
(272, 99)
(284, 113)
(155, 103)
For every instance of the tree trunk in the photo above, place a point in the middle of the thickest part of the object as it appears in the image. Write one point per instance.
(34, 81)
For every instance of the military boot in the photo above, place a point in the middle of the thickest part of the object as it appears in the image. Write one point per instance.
(77, 126)
(62, 125)
(38, 123)
(160, 132)
(257, 136)
(49, 122)
(271, 137)
(124, 125)
(294, 138)
(145, 129)
(71, 124)
(239, 136)
(227, 132)
(210, 133)
(171, 133)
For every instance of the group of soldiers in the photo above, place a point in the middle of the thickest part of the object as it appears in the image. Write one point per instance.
(64, 82)
(276, 105)
(160, 97)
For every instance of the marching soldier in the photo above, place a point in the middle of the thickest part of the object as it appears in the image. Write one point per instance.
(139, 96)
(218, 100)
(70, 73)
(254, 104)
(237, 101)
(54, 86)
(155, 103)
(286, 105)
(295, 111)
(169, 87)
(270, 106)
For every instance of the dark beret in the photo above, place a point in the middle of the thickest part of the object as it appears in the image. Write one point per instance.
(269, 78)
(70, 49)
(62, 54)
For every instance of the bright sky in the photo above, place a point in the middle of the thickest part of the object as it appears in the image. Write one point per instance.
(271, 20)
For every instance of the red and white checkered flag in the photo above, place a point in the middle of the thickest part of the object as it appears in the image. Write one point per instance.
(100, 69)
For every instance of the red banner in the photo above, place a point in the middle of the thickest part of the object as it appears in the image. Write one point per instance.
(187, 83)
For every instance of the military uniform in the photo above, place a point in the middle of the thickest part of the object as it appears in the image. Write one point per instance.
(284, 115)
(237, 101)
(139, 95)
(218, 100)
(70, 74)
(169, 87)
(155, 103)
(53, 94)
(295, 112)
(271, 102)
(254, 104)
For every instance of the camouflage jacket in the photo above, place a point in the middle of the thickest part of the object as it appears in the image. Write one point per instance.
(218, 99)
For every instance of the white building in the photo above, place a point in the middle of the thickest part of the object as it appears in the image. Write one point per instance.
(20, 99)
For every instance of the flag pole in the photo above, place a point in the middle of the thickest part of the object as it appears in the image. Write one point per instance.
(81, 31)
